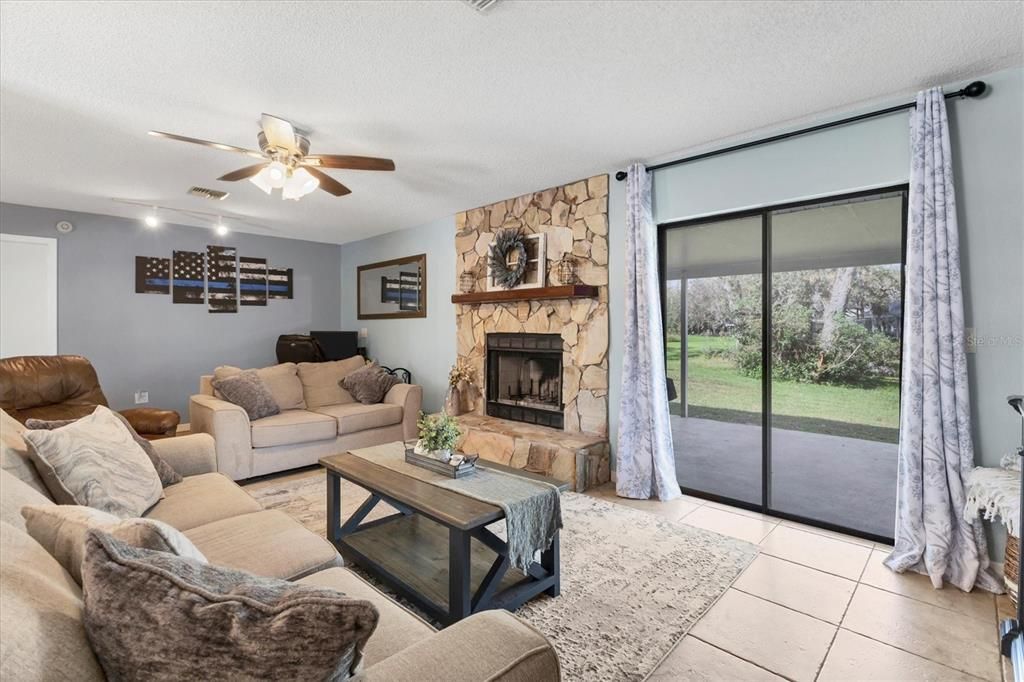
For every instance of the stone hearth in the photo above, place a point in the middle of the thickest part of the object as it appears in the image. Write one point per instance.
(581, 459)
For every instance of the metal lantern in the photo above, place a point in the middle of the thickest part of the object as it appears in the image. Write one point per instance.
(467, 281)
(567, 270)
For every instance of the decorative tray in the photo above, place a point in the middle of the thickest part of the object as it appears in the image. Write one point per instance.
(465, 468)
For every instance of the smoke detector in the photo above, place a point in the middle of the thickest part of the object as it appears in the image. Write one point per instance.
(207, 193)
(481, 5)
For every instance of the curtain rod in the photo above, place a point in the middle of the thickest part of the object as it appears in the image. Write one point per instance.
(975, 89)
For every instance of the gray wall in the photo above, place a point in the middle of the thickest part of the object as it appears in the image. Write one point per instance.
(143, 341)
(425, 346)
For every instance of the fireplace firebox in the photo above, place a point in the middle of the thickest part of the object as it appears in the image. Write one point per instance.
(524, 378)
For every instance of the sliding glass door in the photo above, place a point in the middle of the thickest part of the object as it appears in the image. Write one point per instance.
(787, 396)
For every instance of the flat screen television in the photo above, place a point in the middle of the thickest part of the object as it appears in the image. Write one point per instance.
(337, 345)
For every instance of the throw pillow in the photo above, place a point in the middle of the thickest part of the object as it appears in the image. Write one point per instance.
(95, 462)
(61, 529)
(320, 381)
(168, 476)
(215, 623)
(282, 381)
(370, 384)
(249, 392)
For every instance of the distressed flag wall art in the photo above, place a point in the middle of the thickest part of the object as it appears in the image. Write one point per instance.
(152, 275)
(222, 279)
(279, 282)
(252, 280)
(189, 284)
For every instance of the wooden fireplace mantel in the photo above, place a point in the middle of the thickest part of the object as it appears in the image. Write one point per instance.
(504, 295)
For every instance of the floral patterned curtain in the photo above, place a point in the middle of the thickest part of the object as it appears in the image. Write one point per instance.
(645, 461)
(933, 536)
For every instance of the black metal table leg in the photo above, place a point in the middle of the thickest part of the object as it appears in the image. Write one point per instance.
(551, 562)
(459, 598)
(333, 507)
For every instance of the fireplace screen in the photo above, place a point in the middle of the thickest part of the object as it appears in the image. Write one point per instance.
(524, 378)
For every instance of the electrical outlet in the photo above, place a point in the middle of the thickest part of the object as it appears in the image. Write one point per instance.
(141, 397)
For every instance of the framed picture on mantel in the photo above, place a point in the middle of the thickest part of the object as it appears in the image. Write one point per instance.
(392, 289)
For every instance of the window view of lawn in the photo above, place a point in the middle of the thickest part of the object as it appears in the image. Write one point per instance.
(717, 390)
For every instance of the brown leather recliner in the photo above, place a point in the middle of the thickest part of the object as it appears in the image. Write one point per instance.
(66, 387)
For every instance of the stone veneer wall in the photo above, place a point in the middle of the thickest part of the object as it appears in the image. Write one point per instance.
(575, 219)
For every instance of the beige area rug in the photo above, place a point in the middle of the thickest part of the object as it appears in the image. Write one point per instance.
(632, 583)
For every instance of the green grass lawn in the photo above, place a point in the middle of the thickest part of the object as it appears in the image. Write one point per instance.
(718, 390)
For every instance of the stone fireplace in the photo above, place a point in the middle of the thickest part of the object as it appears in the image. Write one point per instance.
(541, 358)
(523, 380)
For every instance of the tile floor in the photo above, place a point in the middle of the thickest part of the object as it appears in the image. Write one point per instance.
(818, 605)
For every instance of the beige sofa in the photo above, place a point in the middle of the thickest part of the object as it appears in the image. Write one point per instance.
(42, 635)
(319, 418)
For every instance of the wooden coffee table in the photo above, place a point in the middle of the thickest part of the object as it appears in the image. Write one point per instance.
(435, 551)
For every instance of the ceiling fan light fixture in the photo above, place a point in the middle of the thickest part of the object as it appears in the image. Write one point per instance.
(151, 219)
(277, 174)
(220, 228)
(299, 184)
(262, 180)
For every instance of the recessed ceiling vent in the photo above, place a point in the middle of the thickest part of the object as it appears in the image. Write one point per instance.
(481, 5)
(207, 193)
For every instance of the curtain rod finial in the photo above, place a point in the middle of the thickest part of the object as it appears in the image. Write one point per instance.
(620, 176)
(975, 89)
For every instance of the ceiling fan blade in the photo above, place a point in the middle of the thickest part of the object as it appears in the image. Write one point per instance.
(369, 163)
(329, 184)
(279, 132)
(206, 143)
(243, 173)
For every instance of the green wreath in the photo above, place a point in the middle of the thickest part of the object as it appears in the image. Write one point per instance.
(504, 274)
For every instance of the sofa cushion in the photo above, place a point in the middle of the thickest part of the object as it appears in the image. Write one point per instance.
(202, 499)
(370, 384)
(214, 623)
(43, 634)
(268, 543)
(14, 456)
(249, 392)
(320, 381)
(168, 476)
(353, 417)
(282, 381)
(97, 463)
(291, 427)
(397, 627)
(15, 494)
(61, 528)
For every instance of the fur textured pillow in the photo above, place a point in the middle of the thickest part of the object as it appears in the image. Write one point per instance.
(215, 623)
(168, 476)
(61, 529)
(370, 384)
(95, 462)
(249, 392)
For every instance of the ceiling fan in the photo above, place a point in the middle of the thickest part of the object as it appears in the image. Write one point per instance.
(285, 162)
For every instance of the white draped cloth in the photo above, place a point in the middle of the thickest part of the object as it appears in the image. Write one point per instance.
(645, 460)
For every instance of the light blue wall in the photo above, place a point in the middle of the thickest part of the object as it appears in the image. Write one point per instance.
(988, 148)
(426, 346)
(145, 342)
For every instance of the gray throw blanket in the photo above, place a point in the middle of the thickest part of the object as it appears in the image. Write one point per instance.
(533, 509)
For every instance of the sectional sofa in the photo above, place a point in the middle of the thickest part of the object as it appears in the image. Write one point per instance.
(42, 635)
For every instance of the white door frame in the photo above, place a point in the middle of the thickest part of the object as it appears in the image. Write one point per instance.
(51, 276)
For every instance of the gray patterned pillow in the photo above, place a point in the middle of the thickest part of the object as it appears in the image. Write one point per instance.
(369, 385)
(215, 623)
(95, 462)
(168, 476)
(248, 391)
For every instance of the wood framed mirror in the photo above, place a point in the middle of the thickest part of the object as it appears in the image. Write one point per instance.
(392, 289)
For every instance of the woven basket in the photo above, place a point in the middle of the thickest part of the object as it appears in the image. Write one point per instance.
(1011, 564)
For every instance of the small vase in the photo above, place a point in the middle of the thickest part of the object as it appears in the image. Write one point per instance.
(453, 402)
